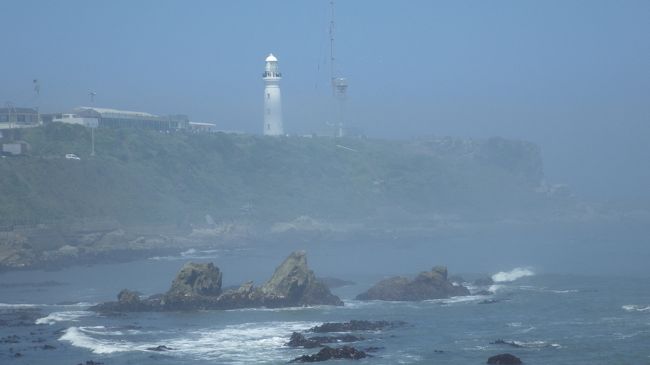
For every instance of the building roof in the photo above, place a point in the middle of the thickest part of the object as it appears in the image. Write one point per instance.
(271, 58)
(18, 110)
(106, 111)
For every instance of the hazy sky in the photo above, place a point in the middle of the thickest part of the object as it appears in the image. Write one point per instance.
(572, 76)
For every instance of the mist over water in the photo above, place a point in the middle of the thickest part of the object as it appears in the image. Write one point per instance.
(481, 185)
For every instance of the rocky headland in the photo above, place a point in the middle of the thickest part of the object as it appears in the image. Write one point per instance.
(198, 286)
(432, 284)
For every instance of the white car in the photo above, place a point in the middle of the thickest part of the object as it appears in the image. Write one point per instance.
(72, 156)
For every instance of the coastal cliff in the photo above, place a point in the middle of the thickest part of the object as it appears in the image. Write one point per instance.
(147, 191)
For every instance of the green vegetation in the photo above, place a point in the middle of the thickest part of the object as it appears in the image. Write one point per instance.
(142, 177)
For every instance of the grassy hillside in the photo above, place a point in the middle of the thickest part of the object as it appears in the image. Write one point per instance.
(141, 177)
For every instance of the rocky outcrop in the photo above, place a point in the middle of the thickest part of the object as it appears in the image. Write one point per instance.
(328, 353)
(432, 284)
(504, 359)
(354, 325)
(484, 281)
(195, 282)
(198, 286)
(299, 340)
(296, 284)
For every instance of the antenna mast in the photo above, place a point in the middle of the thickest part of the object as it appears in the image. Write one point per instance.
(332, 74)
(339, 84)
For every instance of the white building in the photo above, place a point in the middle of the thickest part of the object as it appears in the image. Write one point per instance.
(75, 119)
(272, 98)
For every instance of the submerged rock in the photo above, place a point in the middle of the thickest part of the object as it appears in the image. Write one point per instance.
(160, 348)
(504, 359)
(432, 284)
(328, 353)
(198, 286)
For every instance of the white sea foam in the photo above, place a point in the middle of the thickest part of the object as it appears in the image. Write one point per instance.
(67, 316)
(456, 300)
(635, 308)
(512, 275)
(236, 344)
(191, 254)
(38, 305)
(21, 305)
(79, 338)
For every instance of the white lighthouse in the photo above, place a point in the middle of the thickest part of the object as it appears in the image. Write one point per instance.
(272, 98)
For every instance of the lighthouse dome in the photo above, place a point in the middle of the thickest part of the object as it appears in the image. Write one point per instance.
(271, 58)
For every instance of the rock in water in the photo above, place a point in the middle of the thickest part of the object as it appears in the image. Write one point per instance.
(328, 353)
(504, 359)
(293, 283)
(198, 286)
(196, 279)
(432, 284)
(354, 325)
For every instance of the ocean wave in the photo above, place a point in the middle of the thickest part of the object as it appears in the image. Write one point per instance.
(21, 305)
(191, 254)
(67, 316)
(635, 308)
(243, 343)
(79, 338)
(512, 275)
(457, 300)
(527, 344)
(43, 305)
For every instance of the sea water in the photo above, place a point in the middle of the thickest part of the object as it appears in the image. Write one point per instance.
(544, 318)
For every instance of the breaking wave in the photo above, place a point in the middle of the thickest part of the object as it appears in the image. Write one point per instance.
(514, 274)
(67, 316)
(635, 308)
(235, 344)
(190, 254)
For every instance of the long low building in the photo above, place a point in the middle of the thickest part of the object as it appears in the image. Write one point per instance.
(113, 118)
(14, 117)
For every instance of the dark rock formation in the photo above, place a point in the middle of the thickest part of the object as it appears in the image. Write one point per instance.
(297, 285)
(198, 286)
(485, 281)
(160, 348)
(196, 280)
(504, 359)
(328, 353)
(427, 285)
(489, 301)
(299, 340)
(354, 325)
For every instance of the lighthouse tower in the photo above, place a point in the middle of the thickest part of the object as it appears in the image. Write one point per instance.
(272, 98)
